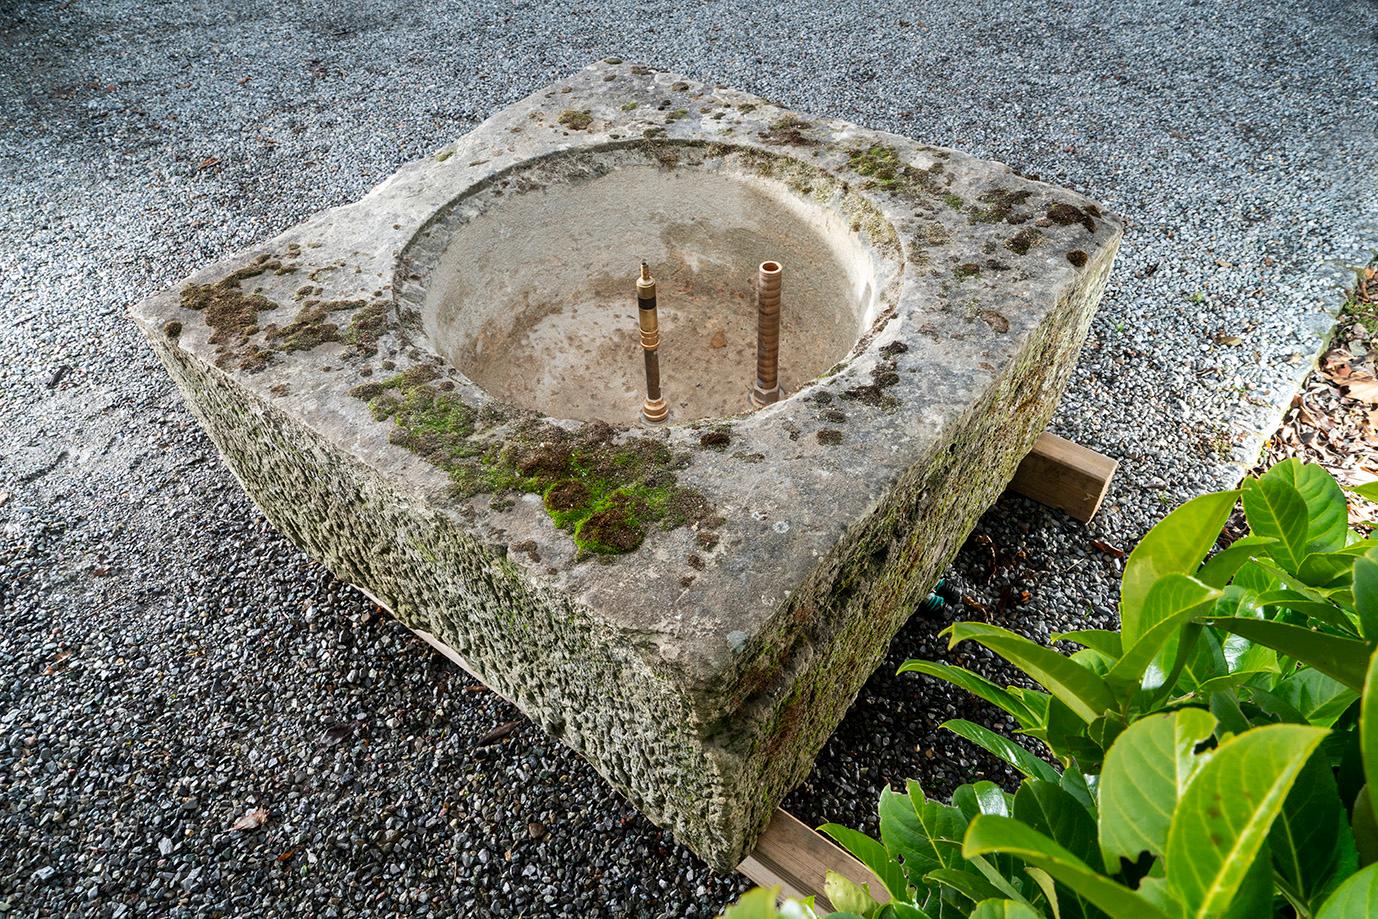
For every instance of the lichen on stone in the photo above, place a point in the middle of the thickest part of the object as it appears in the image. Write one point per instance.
(999, 205)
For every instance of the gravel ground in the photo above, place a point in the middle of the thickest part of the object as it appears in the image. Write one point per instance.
(170, 666)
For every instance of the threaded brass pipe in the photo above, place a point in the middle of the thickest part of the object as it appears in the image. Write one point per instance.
(767, 388)
(653, 410)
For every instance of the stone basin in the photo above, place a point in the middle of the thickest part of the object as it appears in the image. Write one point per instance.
(434, 391)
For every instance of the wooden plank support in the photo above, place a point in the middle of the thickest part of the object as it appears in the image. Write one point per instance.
(791, 856)
(1065, 475)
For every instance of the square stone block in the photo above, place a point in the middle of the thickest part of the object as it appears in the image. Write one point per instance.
(435, 391)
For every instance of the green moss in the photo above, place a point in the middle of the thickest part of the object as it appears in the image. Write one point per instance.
(1021, 242)
(967, 270)
(444, 155)
(607, 494)
(998, 205)
(676, 115)
(366, 327)
(789, 130)
(1065, 214)
(956, 202)
(232, 314)
(576, 121)
(629, 106)
(310, 327)
(883, 168)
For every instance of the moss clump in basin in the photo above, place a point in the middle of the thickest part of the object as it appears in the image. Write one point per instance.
(606, 493)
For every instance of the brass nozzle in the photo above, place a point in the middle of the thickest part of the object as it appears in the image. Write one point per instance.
(767, 387)
(654, 410)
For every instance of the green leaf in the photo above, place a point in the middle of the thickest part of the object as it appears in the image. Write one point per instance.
(988, 834)
(1355, 898)
(1368, 490)
(1146, 772)
(978, 686)
(1276, 510)
(1005, 749)
(1326, 510)
(873, 855)
(755, 904)
(981, 798)
(1075, 783)
(1173, 600)
(1319, 698)
(1220, 568)
(847, 896)
(1365, 827)
(1366, 592)
(1222, 821)
(972, 886)
(1056, 814)
(1079, 689)
(1368, 728)
(925, 834)
(1175, 546)
(1045, 883)
(1328, 570)
(1003, 909)
(1345, 659)
(897, 910)
(1102, 640)
(1310, 840)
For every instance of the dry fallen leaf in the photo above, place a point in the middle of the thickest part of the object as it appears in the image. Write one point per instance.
(1365, 390)
(253, 818)
(207, 163)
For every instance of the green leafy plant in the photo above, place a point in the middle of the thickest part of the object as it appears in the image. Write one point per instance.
(1213, 756)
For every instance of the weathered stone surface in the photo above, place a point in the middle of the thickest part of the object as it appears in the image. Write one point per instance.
(729, 585)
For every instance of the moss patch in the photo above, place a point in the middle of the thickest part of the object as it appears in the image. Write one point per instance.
(366, 327)
(788, 130)
(967, 270)
(232, 314)
(883, 168)
(606, 493)
(999, 205)
(310, 327)
(576, 121)
(1065, 214)
(1021, 242)
(884, 375)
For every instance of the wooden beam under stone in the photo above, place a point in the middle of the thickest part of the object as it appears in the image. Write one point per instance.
(1065, 475)
(791, 856)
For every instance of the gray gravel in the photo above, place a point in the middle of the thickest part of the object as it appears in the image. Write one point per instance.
(168, 664)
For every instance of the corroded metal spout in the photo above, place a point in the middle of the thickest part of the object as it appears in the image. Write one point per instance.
(653, 410)
(767, 388)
